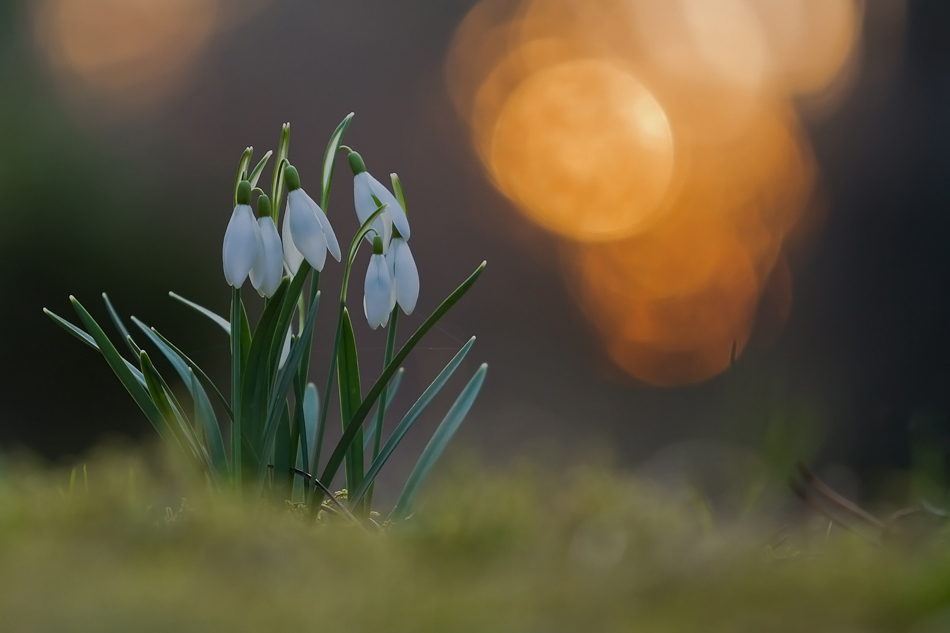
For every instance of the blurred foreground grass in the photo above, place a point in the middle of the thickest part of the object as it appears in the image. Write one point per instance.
(519, 550)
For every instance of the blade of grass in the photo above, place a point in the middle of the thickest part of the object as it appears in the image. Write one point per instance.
(219, 320)
(201, 374)
(119, 366)
(390, 396)
(409, 419)
(255, 174)
(359, 417)
(350, 398)
(377, 430)
(119, 325)
(329, 158)
(88, 340)
(440, 439)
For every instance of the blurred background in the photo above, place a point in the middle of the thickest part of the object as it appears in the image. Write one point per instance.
(659, 186)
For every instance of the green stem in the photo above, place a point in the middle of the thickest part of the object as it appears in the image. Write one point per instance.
(236, 355)
(381, 409)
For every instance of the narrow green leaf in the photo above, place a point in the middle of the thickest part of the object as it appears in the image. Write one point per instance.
(282, 384)
(120, 367)
(336, 458)
(329, 158)
(220, 320)
(119, 325)
(200, 372)
(282, 462)
(377, 429)
(409, 419)
(170, 408)
(350, 397)
(88, 340)
(242, 169)
(397, 189)
(440, 439)
(311, 414)
(256, 172)
(204, 413)
(390, 395)
(206, 419)
(283, 151)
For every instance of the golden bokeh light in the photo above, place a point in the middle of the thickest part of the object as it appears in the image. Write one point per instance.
(585, 149)
(131, 52)
(658, 139)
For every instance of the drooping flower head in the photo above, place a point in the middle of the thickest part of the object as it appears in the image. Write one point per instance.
(378, 294)
(242, 239)
(307, 231)
(365, 187)
(269, 266)
(405, 275)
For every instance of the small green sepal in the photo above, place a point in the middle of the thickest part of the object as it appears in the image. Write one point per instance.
(292, 178)
(264, 208)
(356, 163)
(377, 245)
(244, 192)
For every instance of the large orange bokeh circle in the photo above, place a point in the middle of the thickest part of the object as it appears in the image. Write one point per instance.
(584, 149)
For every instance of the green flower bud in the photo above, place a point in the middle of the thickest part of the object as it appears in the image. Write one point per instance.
(377, 245)
(264, 208)
(244, 192)
(292, 178)
(356, 163)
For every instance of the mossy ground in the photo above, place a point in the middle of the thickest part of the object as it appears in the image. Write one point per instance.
(515, 551)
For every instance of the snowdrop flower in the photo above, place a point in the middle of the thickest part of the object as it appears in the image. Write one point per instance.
(269, 266)
(306, 229)
(379, 296)
(405, 275)
(242, 239)
(364, 188)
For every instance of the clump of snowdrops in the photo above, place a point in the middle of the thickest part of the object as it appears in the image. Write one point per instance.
(268, 437)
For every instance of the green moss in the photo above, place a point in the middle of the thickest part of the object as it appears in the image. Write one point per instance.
(520, 550)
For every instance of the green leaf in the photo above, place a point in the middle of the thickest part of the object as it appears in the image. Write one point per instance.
(194, 366)
(204, 416)
(259, 371)
(311, 414)
(170, 408)
(409, 419)
(329, 159)
(204, 413)
(220, 320)
(282, 463)
(277, 182)
(440, 439)
(350, 397)
(242, 169)
(128, 379)
(359, 417)
(237, 361)
(390, 395)
(282, 384)
(256, 173)
(119, 325)
(88, 340)
(397, 189)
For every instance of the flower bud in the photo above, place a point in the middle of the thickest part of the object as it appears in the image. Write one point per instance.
(264, 208)
(356, 163)
(291, 178)
(244, 192)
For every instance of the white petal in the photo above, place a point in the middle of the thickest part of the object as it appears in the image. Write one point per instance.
(332, 244)
(241, 241)
(377, 292)
(292, 257)
(405, 274)
(306, 230)
(395, 210)
(366, 206)
(268, 269)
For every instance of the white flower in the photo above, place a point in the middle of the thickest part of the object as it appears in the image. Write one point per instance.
(285, 350)
(269, 266)
(405, 275)
(309, 232)
(292, 257)
(379, 295)
(242, 240)
(364, 188)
